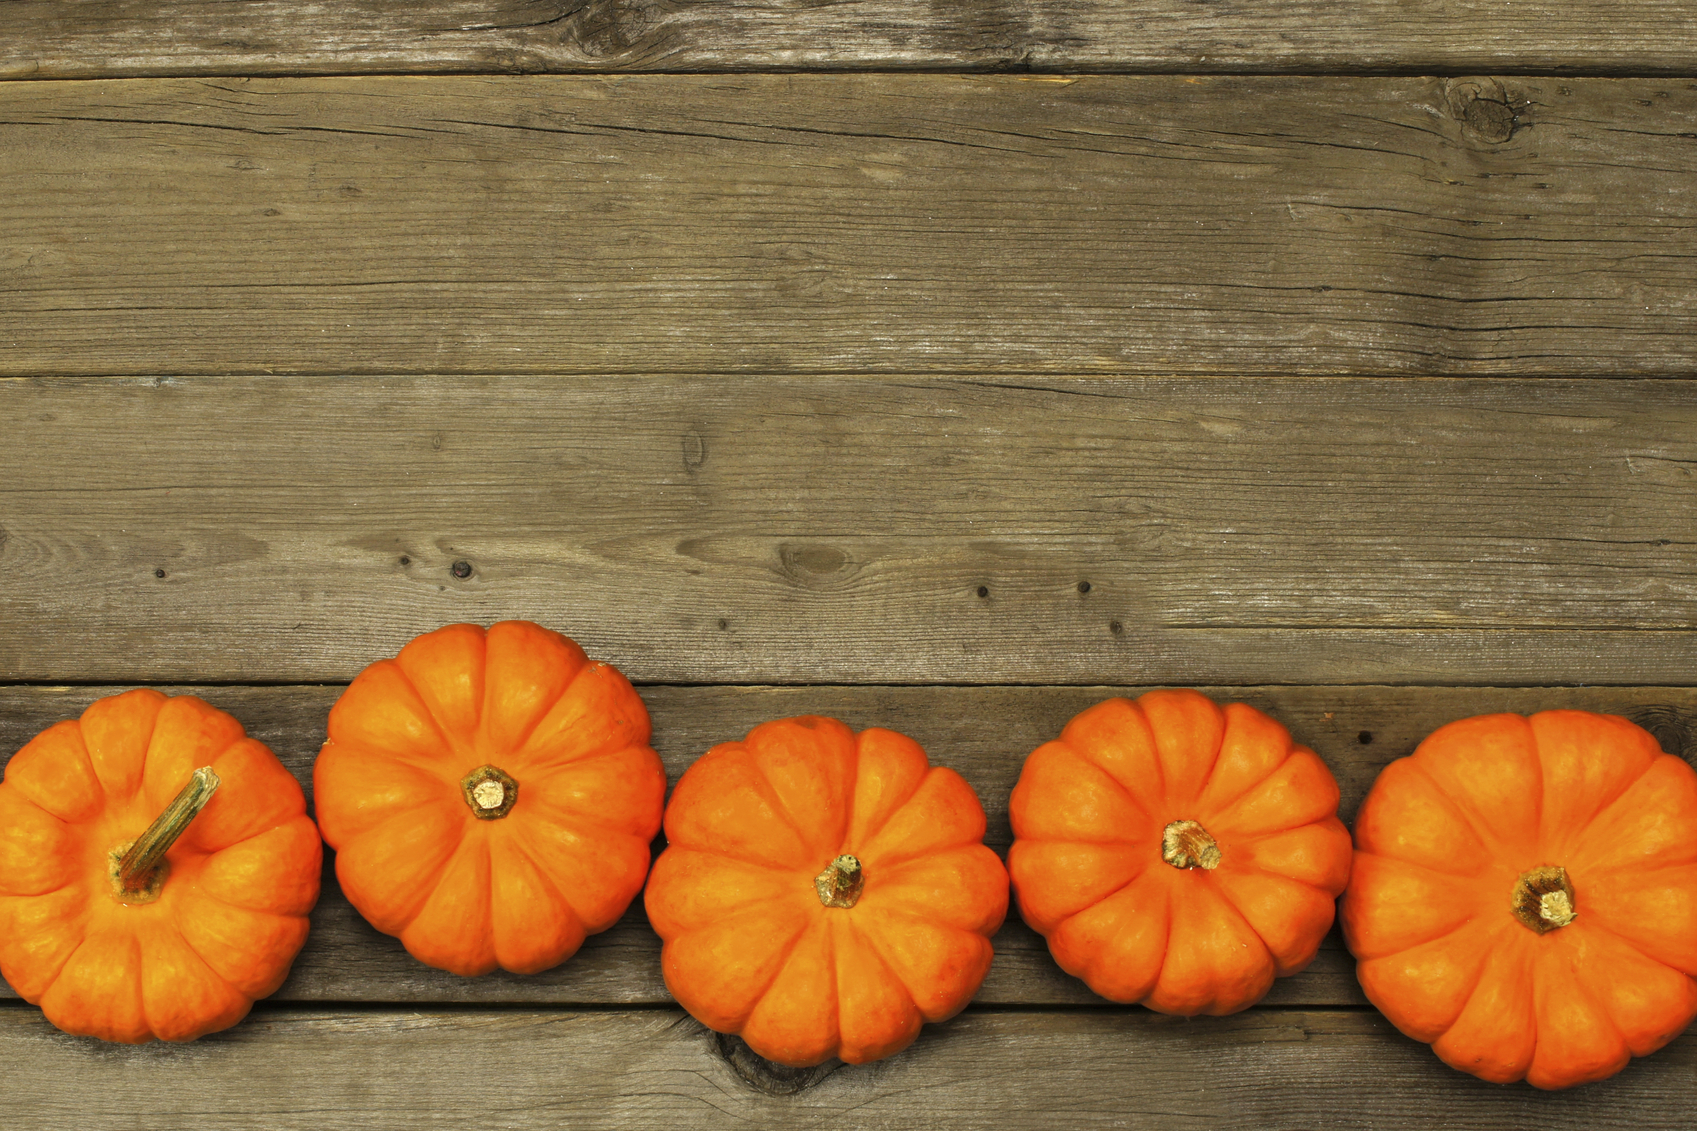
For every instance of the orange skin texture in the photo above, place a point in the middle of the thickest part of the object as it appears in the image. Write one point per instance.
(1088, 815)
(749, 948)
(520, 892)
(232, 912)
(1441, 840)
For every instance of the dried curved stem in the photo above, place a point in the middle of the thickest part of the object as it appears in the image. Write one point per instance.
(136, 867)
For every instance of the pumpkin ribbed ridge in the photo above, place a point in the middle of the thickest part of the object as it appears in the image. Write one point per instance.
(824, 893)
(188, 944)
(1177, 854)
(1525, 896)
(491, 796)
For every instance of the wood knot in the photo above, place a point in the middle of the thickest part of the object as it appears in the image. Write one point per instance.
(768, 1076)
(814, 565)
(1486, 108)
(694, 451)
(1671, 726)
(611, 27)
(1492, 120)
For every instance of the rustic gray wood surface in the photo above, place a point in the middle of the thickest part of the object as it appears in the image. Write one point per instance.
(846, 529)
(792, 391)
(658, 1069)
(820, 223)
(107, 38)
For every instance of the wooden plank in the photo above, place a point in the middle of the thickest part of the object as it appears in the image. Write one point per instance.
(837, 529)
(983, 732)
(896, 223)
(284, 1069)
(104, 38)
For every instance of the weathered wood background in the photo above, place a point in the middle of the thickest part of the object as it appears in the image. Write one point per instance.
(946, 368)
(898, 224)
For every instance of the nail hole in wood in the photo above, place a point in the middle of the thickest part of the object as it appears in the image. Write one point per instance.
(1364, 737)
(983, 590)
(462, 570)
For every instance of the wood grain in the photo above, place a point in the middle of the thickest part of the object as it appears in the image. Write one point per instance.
(983, 732)
(105, 38)
(837, 529)
(896, 223)
(1120, 1068)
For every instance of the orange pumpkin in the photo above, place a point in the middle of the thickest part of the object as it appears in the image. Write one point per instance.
(490, 796)
(824, 892)
(156, 870)
(1176, 854)
(1525, 896)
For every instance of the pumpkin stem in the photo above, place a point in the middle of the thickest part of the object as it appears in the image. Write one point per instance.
(1543, 900)
(1186, 844)
(138, 871)
(490, 793)
(841, 883)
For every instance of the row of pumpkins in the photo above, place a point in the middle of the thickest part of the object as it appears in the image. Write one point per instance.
(1521, 892)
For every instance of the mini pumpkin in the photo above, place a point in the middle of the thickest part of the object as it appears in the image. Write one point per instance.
(490, 796)
(823, 893)
(1525, 895)
(156, 870)
(1177, 854)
